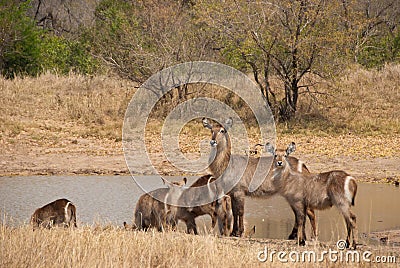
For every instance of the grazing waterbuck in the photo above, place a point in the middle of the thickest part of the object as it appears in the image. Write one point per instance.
(225, 166)
(152, 209)
(60, 212)
(219, 210)
(314, 191)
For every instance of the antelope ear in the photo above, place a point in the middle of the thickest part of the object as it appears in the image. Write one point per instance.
(166, 182)
(206, 124)
(181, 183)
(228, 123)
(291, 148)
(270, 148)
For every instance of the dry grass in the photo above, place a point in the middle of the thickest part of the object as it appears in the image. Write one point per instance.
(49, 106)
(362, 102)
(356, 117)
(371, 99)
(114, 247)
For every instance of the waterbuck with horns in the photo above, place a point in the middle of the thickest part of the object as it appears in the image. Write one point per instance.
(314, 191)
(60, 212)
(226, 166)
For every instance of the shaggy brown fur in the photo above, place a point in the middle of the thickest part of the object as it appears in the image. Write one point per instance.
(60, 212)
(226, 167)
(153, 212)
(315, 191)
(219, 210)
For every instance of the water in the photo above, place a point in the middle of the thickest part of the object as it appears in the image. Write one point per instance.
(376, 208)
(112, 199)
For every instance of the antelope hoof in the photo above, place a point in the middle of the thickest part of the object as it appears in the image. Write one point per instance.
(292, 236)
(302, 242)
(235, 234)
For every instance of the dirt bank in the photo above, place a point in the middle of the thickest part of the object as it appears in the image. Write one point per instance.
(101, 156)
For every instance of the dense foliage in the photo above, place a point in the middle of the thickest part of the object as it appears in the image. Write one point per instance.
(27, 49)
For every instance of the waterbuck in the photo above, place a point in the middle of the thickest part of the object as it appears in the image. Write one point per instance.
(219, 210)
(314, 191)
(152, 209)
(60, 212)
(225, 167)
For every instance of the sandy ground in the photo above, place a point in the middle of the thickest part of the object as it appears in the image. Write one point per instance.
(390, 237)
(105, 157)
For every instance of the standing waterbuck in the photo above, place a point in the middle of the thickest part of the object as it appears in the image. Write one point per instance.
(219, 210)
(314, 191)
(57, 213)
(226, 167)
(153, 209)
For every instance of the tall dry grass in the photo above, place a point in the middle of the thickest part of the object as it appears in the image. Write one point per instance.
(74, 104)
(47, 107)
(115, 247)
(362, 102)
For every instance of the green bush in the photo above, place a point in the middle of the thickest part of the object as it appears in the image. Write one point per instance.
(29, 50)
(20, 49)
(62, 55)
(381, 50)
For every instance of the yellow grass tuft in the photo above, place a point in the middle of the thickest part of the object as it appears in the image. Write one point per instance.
(361, 102)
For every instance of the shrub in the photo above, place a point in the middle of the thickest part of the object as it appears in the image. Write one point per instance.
(20, 49)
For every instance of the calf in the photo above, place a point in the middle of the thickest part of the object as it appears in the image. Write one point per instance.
(225, 215)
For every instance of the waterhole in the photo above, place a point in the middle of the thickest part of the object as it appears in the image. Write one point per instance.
(112, 199)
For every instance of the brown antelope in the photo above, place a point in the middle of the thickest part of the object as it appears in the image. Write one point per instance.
(226, 166)
(152, 209)
(57, 213)
(220, 210)
(314, 191)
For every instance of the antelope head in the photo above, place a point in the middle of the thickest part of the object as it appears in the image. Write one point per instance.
(279, 154)
(219, 133)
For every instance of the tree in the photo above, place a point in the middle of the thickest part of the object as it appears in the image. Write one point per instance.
(27, 49)
(289, 39)
(374, 30)
(138, 39)
(63, 16)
